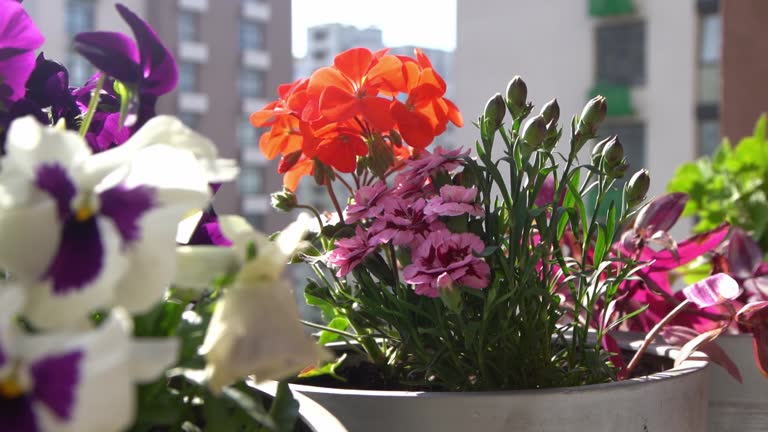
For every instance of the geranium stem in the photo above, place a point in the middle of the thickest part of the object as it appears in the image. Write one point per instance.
(652, 335)
(335, 200)
(86, 124)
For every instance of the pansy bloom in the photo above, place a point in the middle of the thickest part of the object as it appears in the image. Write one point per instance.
(98, 229)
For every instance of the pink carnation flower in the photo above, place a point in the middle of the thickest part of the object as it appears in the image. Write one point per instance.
(404, 222)
(367, 203)
(445, 260)
(454, 201)
(418, 171)
(349, 252)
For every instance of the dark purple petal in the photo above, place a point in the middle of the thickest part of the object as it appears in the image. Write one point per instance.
(125, 207)
(16, 414)
(48, 86)
(113, 53)
(3, 357)
(208, 231)
(662, 213)
(19, 37)
(53, 178)
(56, 380)
(744, 254)
(159, 70)
(111, 134)
(79, 258)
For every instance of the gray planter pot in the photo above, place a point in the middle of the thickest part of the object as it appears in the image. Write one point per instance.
(313, 415)
(736, 407)
(673, 400)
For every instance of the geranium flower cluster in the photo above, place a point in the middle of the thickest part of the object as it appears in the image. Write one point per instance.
(366, 106)
(414, 215)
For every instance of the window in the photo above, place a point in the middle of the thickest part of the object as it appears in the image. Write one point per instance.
(320, 35)
(252, 83)
(248, 134)
(79, 69)
(319, 55)
(80, 15)
(709, 136)
(188, 23)
(632, 137)
(710, 40)
(621, 53)
(192, 120)
(251, 35)
(256, 220)
(252, 180)
(188, 77)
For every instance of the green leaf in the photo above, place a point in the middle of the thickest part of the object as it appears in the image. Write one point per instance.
(285, 409)
(338, 323)
(327, 369)
(126, 95)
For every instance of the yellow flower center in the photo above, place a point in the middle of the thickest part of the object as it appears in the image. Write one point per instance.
(84, 212)
(10, 388)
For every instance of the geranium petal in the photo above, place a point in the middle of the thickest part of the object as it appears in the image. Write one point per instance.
(354, 63)
(337, 104)
(415, 128)
(326, 77)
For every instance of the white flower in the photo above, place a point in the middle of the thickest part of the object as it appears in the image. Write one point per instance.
(255, 328)
(85, 231)
(78, 381)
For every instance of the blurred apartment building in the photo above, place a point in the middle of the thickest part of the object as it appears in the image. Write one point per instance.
(658, 62)
(232, 54)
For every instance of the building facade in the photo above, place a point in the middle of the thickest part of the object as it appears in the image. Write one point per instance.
(656, 61)
(231, 57)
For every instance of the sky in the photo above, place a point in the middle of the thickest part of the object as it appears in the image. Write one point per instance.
(425, 23)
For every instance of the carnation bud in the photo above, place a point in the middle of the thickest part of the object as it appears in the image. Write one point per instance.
(494, 111)
(517, 95)
(637, 187)
(597, 151)
(593, 115)
(551, 111)
(451, 297)
(284, 200)
(618, 170)
(553, 136)
(534, 132)
(613, 152)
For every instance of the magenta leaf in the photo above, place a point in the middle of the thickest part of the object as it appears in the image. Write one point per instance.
(713, 290)
(755, 316)
(690, 249)
(698, 342)
(744, 254)
(614, 354)
(679, 336)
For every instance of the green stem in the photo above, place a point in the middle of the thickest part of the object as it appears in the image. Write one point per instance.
(335, 200)
(329, 329)
(92, 106)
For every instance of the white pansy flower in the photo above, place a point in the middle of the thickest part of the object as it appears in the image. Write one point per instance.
(255, 328)
(85, 231)
(73, 381)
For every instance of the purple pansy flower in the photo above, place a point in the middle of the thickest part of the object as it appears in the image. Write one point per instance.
(145, 65)
(19, 38)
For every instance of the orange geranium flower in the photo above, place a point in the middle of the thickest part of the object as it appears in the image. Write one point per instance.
(284, 137)
(425, 113)
(294, 166)
(337, 145)
(351, 87)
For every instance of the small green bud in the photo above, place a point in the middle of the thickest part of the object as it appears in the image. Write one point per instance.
(597, 151)
(381, 156)
(592, 115)
(551, 111)
(613, 152)
(284, 200)
(517, 96)
(618, 170)
(534, 133)
(637, 187)
(451, 297)
(494, 111)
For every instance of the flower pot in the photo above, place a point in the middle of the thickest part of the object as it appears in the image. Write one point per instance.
(734, 406)
(312, 416)
(673, 400)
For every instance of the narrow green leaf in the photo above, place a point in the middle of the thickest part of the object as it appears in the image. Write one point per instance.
(285, 409)
(338, 323)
